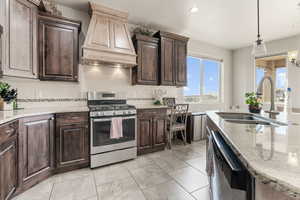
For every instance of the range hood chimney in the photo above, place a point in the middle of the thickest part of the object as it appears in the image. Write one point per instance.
(108, 38)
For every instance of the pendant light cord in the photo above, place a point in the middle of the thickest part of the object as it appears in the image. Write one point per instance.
(258, 25)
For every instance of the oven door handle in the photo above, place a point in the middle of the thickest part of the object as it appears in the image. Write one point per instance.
(109, 119)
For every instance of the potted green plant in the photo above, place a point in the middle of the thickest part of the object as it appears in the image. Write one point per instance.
(254, 102)
(8, 96)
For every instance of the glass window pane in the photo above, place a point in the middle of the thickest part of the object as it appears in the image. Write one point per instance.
(281, 83)
(260, 73)
(211, 81)
(193, 77)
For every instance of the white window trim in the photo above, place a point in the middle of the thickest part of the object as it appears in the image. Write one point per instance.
(202, 71)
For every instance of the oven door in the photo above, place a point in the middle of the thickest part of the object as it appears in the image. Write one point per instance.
(100, 135)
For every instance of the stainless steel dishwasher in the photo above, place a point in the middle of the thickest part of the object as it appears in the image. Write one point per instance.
(199, 124)
(230, 180)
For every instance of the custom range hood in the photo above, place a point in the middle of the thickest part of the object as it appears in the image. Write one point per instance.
(108, 39)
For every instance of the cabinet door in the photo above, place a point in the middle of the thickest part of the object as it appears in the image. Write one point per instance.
(58, 50)
(144, 134)
(21, 39)
(1, 45)
(159, 131)
(72, 145)
(147, 63)
(36, 149)
(167, 62)
(181, 66)
(8, 169)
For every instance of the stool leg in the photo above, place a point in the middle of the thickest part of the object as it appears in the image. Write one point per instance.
(183, 136)
(169, 145)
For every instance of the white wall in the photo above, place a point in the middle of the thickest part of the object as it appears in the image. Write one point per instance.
(244, 70)
(104, 78)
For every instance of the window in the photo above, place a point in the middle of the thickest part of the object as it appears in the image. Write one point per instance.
(275, 67)
(203, 84)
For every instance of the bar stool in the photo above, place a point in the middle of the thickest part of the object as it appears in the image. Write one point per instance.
(177, 122)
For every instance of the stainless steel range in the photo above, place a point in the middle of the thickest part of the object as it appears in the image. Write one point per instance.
(113, 129)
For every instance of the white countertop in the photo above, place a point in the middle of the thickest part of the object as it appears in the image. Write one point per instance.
(6, 116)
(272, 154)
(150, 106)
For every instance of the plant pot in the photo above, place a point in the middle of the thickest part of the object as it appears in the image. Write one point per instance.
(254, 109)
(6, 106)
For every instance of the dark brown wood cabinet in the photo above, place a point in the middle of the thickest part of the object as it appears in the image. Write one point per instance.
(8, 159)
(36, 149)
(181, 63)
(1, 50)
(144, 133)
(72, 141)
(146, 71)
(172, 59)
(151, 130)
(58, 48)
(159, 131)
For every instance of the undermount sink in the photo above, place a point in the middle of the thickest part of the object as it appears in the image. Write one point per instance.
(249, 122)
(248, 118)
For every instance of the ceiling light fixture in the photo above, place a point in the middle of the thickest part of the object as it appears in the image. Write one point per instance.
(194, 9)
(259, 46)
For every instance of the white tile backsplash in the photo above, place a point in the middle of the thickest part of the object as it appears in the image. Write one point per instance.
(99, 78)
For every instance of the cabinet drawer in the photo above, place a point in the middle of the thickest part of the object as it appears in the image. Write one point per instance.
(69, 118)
(7, 131)
(152, 112)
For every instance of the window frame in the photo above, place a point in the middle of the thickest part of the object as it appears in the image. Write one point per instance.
(202, 80)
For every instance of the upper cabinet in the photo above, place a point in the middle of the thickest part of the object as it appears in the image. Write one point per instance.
(19, 19)
(1, 43)
(58, 48)
(180, 63)
(172, 54)
(146, 71)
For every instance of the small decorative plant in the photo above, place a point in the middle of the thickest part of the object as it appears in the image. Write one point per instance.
(254, 102)
(157, 103)
(143, 30)
(8, 97)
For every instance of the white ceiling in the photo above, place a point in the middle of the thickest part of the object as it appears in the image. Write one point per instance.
(225, 23)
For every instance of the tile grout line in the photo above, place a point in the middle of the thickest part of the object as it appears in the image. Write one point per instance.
(175, 179)
(137, 183)
(196, 169)
(95, 183)
(52, 188)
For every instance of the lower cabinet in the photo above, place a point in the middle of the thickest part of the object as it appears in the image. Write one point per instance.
(8, 160)
(36, 149)
(72, 141)
(151, 130)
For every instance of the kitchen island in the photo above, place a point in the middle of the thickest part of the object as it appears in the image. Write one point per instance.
(270, 153)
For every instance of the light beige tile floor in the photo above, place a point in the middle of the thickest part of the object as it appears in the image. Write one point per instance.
(177, 174)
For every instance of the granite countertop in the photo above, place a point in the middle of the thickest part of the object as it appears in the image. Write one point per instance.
(6, 116)
(150, 106)
(272, 154)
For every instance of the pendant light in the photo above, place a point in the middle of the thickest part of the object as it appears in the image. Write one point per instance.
(259, 46)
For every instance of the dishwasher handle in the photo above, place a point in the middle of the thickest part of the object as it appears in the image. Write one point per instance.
(227, 154)
(236, 174)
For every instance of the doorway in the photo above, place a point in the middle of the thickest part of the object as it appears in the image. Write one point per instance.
(276, 67)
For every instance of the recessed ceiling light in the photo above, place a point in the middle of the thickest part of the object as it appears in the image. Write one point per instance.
(194, 9)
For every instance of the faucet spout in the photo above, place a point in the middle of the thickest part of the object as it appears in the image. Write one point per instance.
(259, 91)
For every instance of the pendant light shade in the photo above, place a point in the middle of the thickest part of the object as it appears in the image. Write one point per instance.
(259, 46)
